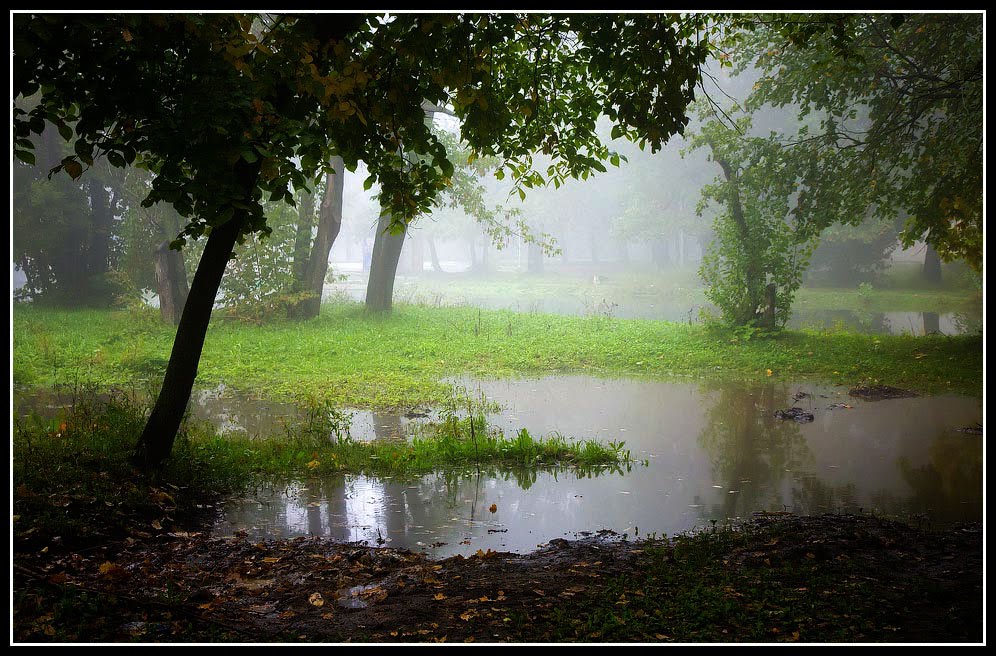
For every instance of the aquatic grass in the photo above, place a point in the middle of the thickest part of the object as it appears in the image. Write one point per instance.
(73, 474)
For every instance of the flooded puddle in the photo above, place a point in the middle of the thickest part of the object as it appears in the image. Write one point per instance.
(714, 451)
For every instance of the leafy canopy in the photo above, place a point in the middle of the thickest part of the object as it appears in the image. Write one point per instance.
(194, 97)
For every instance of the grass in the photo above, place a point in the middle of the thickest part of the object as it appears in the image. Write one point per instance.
(356, 360)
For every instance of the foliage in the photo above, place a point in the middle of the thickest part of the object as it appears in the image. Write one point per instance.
(761, 237)
(895, 109)
(194, 97)
(849, 254)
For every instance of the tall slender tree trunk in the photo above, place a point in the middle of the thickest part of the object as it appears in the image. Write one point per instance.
(156, 441)
(329, 225)
(473, 254)
(434, 256)
(758, 291)
(534, 258)
(383, 265)
(100, 235)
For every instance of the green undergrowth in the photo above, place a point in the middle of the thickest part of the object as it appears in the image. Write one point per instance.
(357, 360)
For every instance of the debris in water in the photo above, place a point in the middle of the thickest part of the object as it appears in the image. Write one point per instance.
(797, 414)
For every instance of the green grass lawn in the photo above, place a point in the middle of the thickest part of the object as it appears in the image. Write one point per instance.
(353, 359)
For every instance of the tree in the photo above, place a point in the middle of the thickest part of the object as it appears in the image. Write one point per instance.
(64, 230)
(763, 241)
(312, 277)
(897, 103)
(224, 108)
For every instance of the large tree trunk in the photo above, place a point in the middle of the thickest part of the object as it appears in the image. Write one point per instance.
(931, 266)
(329, 224)
(156, 441)
(383, 265)
(302, 238)
(171, 283)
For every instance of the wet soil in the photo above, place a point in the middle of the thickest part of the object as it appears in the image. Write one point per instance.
(884, 581)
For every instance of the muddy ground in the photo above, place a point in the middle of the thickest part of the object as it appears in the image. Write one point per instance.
(831, 578)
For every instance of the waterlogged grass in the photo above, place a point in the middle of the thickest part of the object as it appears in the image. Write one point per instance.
(73, 477)
(452, 444)
(354, 359)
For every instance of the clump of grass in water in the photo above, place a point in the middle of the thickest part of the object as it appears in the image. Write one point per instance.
(98, 434)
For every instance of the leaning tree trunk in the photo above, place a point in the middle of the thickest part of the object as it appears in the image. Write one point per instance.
(156, 441)
(383, 265)
(329, 224)
(931, 266)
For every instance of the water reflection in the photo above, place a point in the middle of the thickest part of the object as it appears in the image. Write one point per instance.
(715, 451)
(752, 453)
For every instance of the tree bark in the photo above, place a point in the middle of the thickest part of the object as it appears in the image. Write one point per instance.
(302, 238)
(931, 266)
(171, 283)
(329, 225)
(156, 441)
(383, 265)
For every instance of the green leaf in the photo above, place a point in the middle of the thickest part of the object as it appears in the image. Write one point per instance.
(25, 156)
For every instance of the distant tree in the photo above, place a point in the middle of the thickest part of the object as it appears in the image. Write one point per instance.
(225, 108)
(64, 230)
(762, 242)
(897, 103)
(848, 255)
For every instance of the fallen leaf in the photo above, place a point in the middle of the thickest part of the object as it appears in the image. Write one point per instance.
(157, 525)
(439, 596)
(493, 508)
(271, 559)
(768, 372)
(316, 600)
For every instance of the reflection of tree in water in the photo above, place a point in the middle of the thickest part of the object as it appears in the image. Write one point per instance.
(949, 487)
(812, 496)
(749, 448)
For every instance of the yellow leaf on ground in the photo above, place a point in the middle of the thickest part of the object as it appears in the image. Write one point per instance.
(439, 596)
(316, 599)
